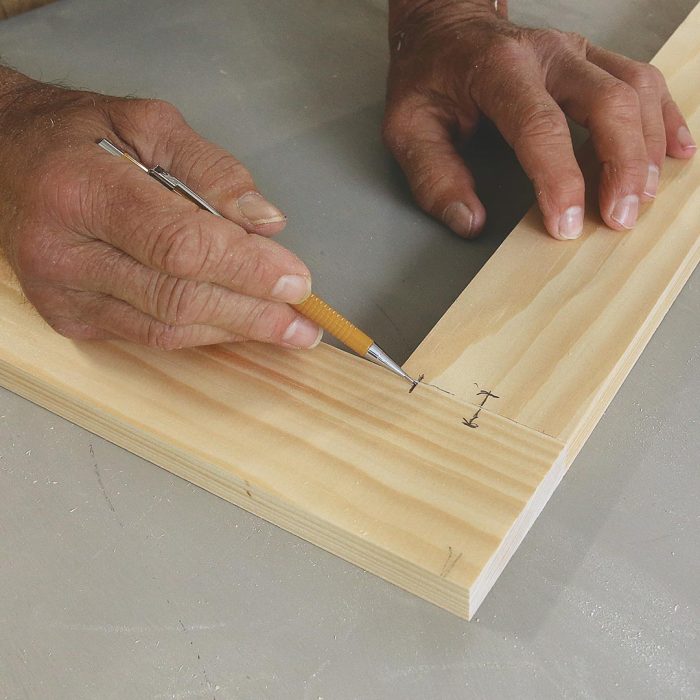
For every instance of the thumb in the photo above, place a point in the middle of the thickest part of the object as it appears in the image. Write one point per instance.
(161, 135)
(440, 181)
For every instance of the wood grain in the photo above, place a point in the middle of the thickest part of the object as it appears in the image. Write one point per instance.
(322, 443)
(553, 328)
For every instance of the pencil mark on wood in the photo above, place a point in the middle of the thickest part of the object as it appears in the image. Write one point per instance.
(449, 562)
(96, 469)
(487, 394)
(432, 386)
(470, 423)
(247, 488)
(418, 381)
(444, 391)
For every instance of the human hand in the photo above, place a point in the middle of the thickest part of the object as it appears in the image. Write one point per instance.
(452, 62)
(104, 251)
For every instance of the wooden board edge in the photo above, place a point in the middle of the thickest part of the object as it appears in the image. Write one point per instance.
(438, 590)
(447, 594)
(520, 528)
(615, 380)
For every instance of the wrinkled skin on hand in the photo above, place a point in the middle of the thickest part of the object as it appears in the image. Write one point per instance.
(104, 251)
(453, 63)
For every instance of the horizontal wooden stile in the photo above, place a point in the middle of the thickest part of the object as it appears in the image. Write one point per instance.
(429, 490)
(323, 444)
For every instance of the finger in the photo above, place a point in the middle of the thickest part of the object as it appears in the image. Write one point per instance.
(679, 140)
(57, 307)
(133, 213)
(440, 181)
(178, 302)
(501, 7)
(118, 318)
(650, 85)
(610, 109)
(532, 123)
(161, 136)
(654, 96)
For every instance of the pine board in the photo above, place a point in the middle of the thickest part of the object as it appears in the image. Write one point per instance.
(552, 328)
(392, 481)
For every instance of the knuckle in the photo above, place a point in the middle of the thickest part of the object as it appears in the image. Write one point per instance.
(159, 113)
(183, 304)
(258, 271)
(177, 301)
(564, 186)
(266, 321)
(224, 172)
(618, 96)
(644, 77)
(554, 38)
(182, 248)
(505, 49)
(657, 75)
(253, 268)
(539, 122)
(631, 170)
(163, 336)
(655, 137)
(551, 44)
(567, 182)
(577, 41)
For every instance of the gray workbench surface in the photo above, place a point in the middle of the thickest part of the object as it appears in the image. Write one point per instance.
(119, 580)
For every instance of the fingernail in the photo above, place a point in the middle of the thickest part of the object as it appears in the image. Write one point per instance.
(571, 223)
(292, 288)
(302, 333)
(459, 218)
(258, 210)
(685, 139)
(626, 210)
(652, 185)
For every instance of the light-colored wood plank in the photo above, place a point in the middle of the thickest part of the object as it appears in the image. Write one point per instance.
(322, 443)
(553, 328)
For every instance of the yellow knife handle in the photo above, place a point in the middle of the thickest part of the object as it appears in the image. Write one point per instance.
(330, 320)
